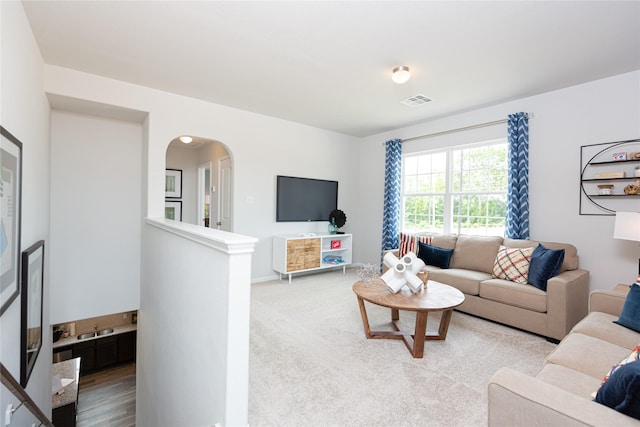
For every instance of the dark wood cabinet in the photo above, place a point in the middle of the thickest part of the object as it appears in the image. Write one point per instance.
(86, 351)
(64, 416)
(127, 347)
(103, 352)
(106, 351)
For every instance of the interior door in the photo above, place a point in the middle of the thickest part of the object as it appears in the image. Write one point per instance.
(224, 194)
(204, 197)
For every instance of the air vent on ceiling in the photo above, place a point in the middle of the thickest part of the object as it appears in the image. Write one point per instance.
(416, 100)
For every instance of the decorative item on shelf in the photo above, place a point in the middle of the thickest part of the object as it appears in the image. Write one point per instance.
(635, 155)
(337, 219)
(622, 155)
(402, 272)
(368, 274)
(336, 244)
(632, 189)
(605, 189)
(333, 259)
(636, 172)
(610, 175)
(333, 228)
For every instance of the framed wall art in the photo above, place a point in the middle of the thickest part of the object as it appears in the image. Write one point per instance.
(173, 210)
(32, 304)
(173, 184)
(10, 205)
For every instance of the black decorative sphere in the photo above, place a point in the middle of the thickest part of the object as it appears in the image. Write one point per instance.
(338, 217)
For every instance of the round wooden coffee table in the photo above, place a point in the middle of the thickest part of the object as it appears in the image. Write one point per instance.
(436, 297)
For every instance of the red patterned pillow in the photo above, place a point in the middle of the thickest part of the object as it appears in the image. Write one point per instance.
(513, 264)
(408, 243)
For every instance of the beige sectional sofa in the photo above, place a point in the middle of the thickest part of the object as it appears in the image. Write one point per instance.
(551, 314)
(561, 393)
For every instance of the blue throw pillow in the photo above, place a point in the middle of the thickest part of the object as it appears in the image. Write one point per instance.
(630, 316)
(545, 263)
(433, 255)
(622, 390)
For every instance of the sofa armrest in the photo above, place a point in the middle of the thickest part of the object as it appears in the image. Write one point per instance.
(610, 302)
(516, 399)
(567, 301)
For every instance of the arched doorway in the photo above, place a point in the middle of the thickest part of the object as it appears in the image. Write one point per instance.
(205, 168)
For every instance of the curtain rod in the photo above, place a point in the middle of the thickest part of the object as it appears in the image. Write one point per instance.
(445, 132)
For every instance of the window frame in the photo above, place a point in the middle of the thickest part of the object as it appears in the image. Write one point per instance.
(449, 225)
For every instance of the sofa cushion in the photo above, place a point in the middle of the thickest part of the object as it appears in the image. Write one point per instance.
(545, 264)
(586, 354)
(445, 241)
(433, 255)
(600, 325)
(512, 264)
(569, 379)
(408, 243)
(571, 259)
(631, 357)
(630, 316)
(504, 291)
(475, 252)
(622, 390)
(466, 281)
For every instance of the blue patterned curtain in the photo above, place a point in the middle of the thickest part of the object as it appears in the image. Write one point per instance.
(517, 221)
(392, 194)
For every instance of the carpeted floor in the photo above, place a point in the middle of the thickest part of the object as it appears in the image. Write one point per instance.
(311, 365)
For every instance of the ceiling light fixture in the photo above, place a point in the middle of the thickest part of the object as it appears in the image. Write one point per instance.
(400, 74)
(185, 139)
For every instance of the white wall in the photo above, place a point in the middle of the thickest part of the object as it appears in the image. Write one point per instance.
(261, 147)
(193, 352)
(24, 111)
(96, 213)
(186, 159)
(600, 111)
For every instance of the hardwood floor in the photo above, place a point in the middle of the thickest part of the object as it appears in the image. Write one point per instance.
(108, 398)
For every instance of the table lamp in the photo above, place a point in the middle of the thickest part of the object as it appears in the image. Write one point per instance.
(627, 227)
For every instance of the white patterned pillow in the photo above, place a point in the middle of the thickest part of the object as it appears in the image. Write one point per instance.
(513, 264)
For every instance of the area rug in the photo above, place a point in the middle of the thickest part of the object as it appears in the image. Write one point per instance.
(311, 365)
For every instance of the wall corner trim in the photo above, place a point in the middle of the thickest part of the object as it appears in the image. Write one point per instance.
(223, 241)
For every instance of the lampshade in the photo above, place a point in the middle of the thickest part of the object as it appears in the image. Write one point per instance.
(627, 226)
(400, 74)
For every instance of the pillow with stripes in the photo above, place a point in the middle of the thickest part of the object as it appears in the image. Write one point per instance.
(409, 243)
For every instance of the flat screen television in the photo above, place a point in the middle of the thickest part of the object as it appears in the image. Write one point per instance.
(305, 199)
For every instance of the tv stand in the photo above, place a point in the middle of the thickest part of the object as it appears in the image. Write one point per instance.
(293, 253)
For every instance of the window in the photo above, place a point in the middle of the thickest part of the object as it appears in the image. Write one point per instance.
(460, 190)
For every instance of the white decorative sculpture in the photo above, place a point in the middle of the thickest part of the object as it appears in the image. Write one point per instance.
(402, 272)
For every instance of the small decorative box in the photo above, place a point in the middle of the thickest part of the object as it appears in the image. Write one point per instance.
(620, 156)
(609, 175)
(336, 244)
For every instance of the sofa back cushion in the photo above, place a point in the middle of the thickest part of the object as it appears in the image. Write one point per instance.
(476, 253)
(444, 241)
(570, 252)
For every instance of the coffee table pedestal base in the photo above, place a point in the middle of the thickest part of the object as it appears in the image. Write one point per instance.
(413, 340)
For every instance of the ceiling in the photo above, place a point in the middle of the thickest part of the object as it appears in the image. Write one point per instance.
(328, 64)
